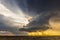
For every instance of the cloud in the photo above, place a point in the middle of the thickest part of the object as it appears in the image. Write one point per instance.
(11, 17)
(45, 9)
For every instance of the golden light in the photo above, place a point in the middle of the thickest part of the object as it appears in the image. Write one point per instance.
(55, 23)
(48, 32)
(34, 33)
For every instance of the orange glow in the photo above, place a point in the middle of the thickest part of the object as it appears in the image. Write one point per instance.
(48, 32)
(34, 33)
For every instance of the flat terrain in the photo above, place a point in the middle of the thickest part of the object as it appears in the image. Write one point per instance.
(31, 38)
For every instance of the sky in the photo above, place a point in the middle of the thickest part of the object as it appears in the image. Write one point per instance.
(13, 12)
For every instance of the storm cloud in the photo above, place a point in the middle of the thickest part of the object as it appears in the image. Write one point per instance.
(45, 9)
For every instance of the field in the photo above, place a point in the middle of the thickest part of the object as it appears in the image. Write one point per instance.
(30, 38)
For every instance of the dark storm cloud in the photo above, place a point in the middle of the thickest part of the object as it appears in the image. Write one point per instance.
(45, 8)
